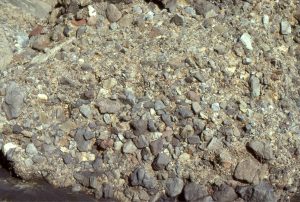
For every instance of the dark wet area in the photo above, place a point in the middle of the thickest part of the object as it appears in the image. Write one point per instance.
(12, 189)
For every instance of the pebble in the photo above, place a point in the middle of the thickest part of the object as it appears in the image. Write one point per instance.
(246, 170)
(194, 192)
(285, 27)
(225, 193)
(215, 144)
(261, 150)
(40, 42)
(266, 21)
(178, 20)
(156, 146)
(149, 16)
(108, 106)
(112, 13)
(160, 162)
(85, 111)
(190, 10)
(82, 144)
(215, 107)
(141, 142)
(14, 101)
(109, 83)
(151, 126)
(42, 97)
(187, 131)
(137, 9)
(140, 177)
(129, 147)
(17, 129)
(166, 118)
(113, 26)
(159, 105)
(139, 126)
(260, 192)
(81, 31)
(196, 107)
(107, 119)
(255, 86)
(194, 139)
(31, 149)
(68, 159)
(108, 191)
(174, 186)
(184, 112)
(205, 8)
(246, 41)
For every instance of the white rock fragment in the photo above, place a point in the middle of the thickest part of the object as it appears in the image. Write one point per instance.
(42, 97)
(246, 41)
(149, 16)
(7, 147)
(215, 107)
(92, 11)
(265, 21)
(285, 27)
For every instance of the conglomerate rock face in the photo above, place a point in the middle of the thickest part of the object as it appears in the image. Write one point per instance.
(153, 100)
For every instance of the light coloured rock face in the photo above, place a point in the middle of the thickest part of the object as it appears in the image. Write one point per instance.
(5, 50)
(37, 8)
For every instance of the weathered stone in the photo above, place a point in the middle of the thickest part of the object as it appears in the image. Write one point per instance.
(261, 150)
(140, 177)
(285, 28)
(187, 131)
(156, 146)
(129, 147)
(178, 20)
(255, 86)
(247, 170)
(109, 106)
(14, 101)
(40, 42)
(194, 139)
(260, 192)
(31, 149)
(159, 105)
(246, 41)
(139, 126)
(112, 13)
(141, 142)
(225, 193)
(205, 8)
(184, 112)
(193, 191)
(160, 161)
(174, 186)
(82, 144)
